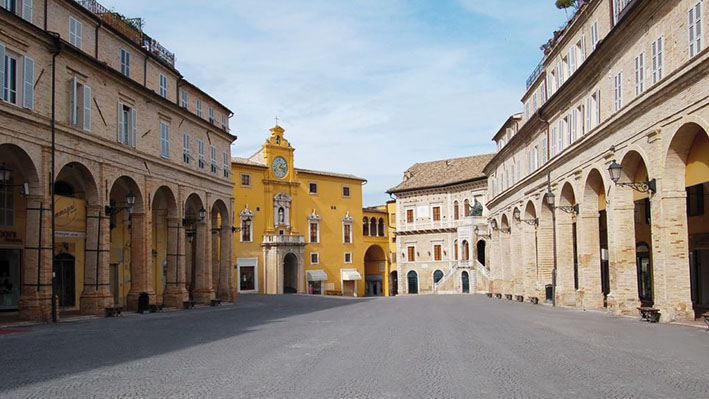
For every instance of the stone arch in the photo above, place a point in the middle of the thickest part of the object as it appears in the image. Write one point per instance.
(505, 256)
(412, 282)
(197, 250)
(81, 179)
(567, 246)
(290, 273)
(594, 280)
(374, 270)
(373, 226)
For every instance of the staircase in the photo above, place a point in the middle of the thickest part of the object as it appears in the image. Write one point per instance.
(484, 273)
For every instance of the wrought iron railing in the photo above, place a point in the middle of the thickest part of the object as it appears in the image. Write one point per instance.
(535, 74)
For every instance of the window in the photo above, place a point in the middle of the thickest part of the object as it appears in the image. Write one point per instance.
(213, 158)
(80, 105)
(9, 5)
(365, 226)
(313, 188)
(467, 209)
(455, 250)
(581, 49)
(127, 118)
(210, 112)
(75, 29)
(536, 157)
(534, 101)
(437, 276)
(224, 125)
(572, 126)
(9, 76)
(695, 29)
(596, 103)
(465, 250)
(657, 59)
(199, 107)
(164, 139)
(437, 252)
(518, 170)
(163, 86)
(526, 111)
(245, 180)
(125, 62)
(314, 258)
(639, 74)
(373, 227)
(542, 93)
(226, 169)
(562, 68)
(553, 141)
(7, 205)
(246, 227)
(314, 231)
(618, 91)
(572, 60)
(347, 233)
(381, 228)
(348, 257)
(186, 148)
(409, 216)
(346, 191)
(411, 253)
(695, 200)
(456, 211)
(436, 213)
(200, 154)
(587, 124)
(183, 99)
(544, 149)
(594, 35)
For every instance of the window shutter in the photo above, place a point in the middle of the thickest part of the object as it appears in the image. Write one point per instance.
(73, 118)
(79, 36)
(27, 10)
(588, 114)
(2, 71)
(583, 48)
(133, 129)
(87, 108)
(119, 123)
(691, 32)
(28, 87)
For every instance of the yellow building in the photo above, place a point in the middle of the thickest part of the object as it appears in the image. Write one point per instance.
(299, 230)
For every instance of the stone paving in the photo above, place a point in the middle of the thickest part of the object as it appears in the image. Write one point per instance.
(456, 346)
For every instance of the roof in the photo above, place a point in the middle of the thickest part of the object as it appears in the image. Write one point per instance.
(443, 173)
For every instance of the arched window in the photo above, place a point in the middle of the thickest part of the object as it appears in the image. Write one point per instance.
(365, 226)
(381, 227)
(373, 227)
(456, 211)
(455, 249)
(467, 208)
(466, 250)
(437, 276)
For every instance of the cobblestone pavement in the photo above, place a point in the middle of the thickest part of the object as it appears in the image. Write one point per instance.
(404, 347)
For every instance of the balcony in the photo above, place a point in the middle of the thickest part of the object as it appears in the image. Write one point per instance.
(284, 239)
(132, 28)
(535, 74)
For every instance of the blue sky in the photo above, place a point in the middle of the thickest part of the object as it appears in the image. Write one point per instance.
(367, 87)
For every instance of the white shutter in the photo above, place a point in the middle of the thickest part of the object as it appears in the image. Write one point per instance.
(28, 86)
(583, 48)
(27, 10)
(133, 129)
(119, 123)
(73, 98)
(87, 108)
(588, 115)
(2, 71)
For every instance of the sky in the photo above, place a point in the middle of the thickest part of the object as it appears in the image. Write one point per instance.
(364, 87)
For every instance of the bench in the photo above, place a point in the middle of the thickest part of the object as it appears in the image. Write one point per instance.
(498, 295)
(333, 292)
(489, 294)
(519, 298)
(534, 300)
(706, 319)
(648, 314)
(215, 302)
(188, 304)
(155, 307)
(113, 311)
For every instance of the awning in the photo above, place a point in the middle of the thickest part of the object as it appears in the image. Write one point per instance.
(351, 275)
(316, 275)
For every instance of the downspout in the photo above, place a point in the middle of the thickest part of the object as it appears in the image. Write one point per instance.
(145, 71)
(57, 49)
(100, 21)
(45, 14)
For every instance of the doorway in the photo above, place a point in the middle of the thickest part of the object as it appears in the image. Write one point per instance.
(373, 285)
(290, 274)
(413, 281)
(393, 283)
(699, 277)
(9, 279)
(64, 267)
(644, 271)
(465, 282)
(247, 280)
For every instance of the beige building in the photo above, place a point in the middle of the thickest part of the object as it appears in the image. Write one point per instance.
(441, 226)
(114, 169)
(598, 191)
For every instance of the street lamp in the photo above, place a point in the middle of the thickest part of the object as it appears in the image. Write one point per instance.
(6, 179)
(648, 186)
(130, 203)
(234, 229)
(549, 199)
(189, 219)
(517, 215)
(477, 233)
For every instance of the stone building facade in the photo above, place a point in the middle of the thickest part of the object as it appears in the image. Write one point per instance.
(598, 191)
(114, 169)
(441, 244)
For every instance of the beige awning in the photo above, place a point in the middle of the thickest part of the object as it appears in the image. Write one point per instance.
(316, 275)
(351, 275)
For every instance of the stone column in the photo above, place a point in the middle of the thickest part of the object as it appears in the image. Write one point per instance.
(589, 293)
(623, 297)
(226, 291)
(140, 270)
(495, 263)
(529, 261)
(670, 241)
(203, 292)
(506, 261)
(175, 290)
(565, 291)
(516, 260)
(215, 264)
(37, 260)
(96, 294)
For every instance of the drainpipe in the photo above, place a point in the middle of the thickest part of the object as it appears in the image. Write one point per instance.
(57, 49)
(45, 14)
(100, 22)
(145, 71)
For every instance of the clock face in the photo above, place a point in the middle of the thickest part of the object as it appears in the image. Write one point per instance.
(280, 167)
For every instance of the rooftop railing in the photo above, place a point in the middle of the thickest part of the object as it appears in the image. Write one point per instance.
(535, 74)
(132, 28)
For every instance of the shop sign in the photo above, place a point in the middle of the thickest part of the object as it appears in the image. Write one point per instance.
(9, 236)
